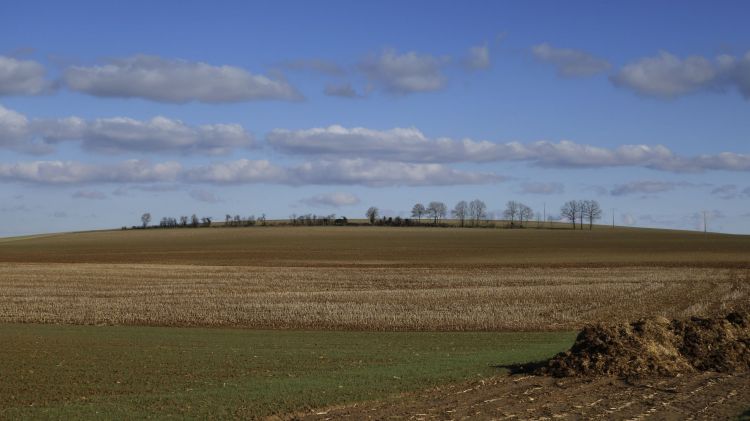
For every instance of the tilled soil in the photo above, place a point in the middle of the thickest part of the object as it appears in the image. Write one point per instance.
(693, 396)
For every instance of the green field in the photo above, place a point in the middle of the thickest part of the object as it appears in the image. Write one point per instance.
(138, 372)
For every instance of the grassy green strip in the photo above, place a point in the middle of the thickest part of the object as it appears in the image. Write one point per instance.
(125, 372)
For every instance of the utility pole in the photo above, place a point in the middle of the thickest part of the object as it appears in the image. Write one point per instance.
(705, 224)
(545, 214)
(613, 217)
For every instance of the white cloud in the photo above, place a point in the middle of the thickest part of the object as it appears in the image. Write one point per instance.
(335, 199)
(478, 58)
(404, 73)
(71, 172)
(667, 75)
(89, 194)
(238, 172)
(569, 62)
(14, 127)
(123, 134)
(411, 145)
(542, 188)
(175, 80)
(385, 173)
(22, 77)
(120, 134)
(338, 172)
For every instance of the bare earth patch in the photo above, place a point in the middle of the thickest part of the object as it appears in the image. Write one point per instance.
(696, 396)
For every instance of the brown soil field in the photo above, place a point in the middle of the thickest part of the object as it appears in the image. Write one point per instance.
(385, 246)
(367, 298)
(698, 396)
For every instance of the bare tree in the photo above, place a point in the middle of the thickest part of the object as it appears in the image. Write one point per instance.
(477, 210)
(145, 219)
(592, 211)
(570, 210)
(372, 214)
(511, 211)
(194, 221)
(183, 221)
(418, 211)
(461, 211)
(524, 213)
(582, 205)
(206, 221)
(437, 210)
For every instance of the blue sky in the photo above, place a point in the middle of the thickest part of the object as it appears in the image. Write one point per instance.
(112, 110)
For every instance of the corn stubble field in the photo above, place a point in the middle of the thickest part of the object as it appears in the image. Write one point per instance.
(329, 315)
(370, 278)
(519, 299)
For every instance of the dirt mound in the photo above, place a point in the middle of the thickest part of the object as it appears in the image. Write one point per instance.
(657, 346)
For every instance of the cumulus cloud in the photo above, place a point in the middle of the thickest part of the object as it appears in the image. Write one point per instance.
(72, 172)
(15, 133)
(667, 75)
(22, 77)
(411, 145)
(569, 62)
(338, 172)
(123, 134)
(89, 194)
(404, 73)
(175, 80)
(237, 172)
(478, 58)
(385, 173)
(243, 171)
(120, 134)
(204, 196)
(335, 199)
(344, 90)
(542, 188)
(14, 127)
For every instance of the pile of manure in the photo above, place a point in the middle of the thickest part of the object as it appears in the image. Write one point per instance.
(657, 346)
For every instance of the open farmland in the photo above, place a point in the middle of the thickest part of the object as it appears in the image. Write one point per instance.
(385, 247)
(370, 278)
(335, 315)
